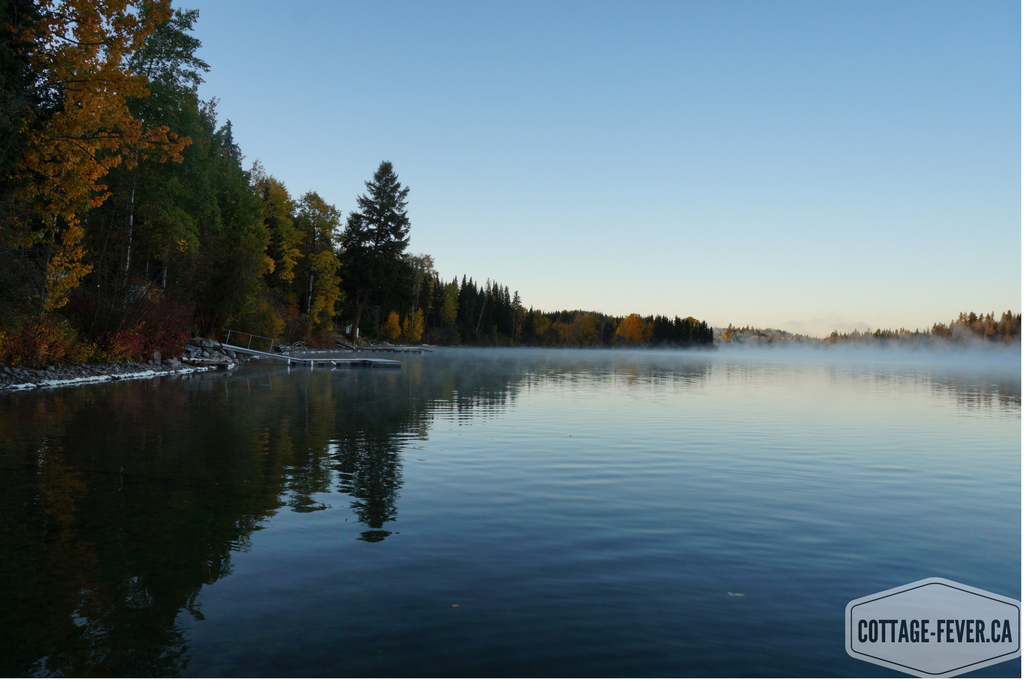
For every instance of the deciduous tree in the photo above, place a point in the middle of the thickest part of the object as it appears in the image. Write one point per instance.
(633, 330)
(412, 328)
(80, 51)
(318, 222)
(278, 216)
(391, 329)
(450, 304)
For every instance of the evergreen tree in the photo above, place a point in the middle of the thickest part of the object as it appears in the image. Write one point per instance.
(20, 102)
(373, 270)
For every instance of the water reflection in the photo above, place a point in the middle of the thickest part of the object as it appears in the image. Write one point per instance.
(120, 502)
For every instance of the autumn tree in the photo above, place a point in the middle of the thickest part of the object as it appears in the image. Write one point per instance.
(450, 304)
(79, 51)
(391, 328)
(318, 221)
(375, 238)
(279, 217)
(412, 327)
(633, 330)
(146, 235)
(584, 329)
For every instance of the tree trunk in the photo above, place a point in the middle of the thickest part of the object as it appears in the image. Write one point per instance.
(131, 229)
(482, 308)
(359, 315)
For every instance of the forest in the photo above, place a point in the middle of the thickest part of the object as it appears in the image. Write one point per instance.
(130, 221)
(967, 328)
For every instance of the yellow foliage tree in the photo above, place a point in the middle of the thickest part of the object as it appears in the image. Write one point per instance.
(391, 329)
(317, 222)
(583, 330)
(542, 327)
(79, 49)
(633, 330)
(450, 304)
(412, 327)
(278, 208)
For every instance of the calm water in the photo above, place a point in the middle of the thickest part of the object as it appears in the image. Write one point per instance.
(589, 513)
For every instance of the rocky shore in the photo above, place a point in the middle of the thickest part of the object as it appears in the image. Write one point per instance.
(200, 354)
(17, 378)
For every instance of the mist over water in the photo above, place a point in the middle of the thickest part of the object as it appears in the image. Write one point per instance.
(590, 512)
(971, 355)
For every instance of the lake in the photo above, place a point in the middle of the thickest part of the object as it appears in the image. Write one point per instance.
(501, 513)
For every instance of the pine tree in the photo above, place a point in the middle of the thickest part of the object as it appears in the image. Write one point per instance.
(372, 267)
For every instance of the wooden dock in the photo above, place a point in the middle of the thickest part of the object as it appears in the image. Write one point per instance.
(397, 349)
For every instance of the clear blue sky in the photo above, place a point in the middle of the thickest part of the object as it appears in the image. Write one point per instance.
(803, 165)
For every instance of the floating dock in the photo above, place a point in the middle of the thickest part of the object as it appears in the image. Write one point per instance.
(314, 361)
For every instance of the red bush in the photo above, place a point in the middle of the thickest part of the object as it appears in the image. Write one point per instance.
(44, 341)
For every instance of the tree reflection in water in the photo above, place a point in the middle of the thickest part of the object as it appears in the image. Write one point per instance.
(119, 502)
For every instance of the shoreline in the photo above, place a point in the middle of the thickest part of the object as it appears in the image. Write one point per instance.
(14, 379)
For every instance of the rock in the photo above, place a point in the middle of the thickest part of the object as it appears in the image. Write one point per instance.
(205, 354)
(172, 363)
(204, 342)
(156, 357)
(232, 354)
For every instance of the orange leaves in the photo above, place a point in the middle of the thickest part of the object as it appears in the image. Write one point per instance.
(79, 50)
(633, 330)
(65, 268)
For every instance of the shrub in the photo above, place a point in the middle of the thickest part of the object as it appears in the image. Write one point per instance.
(45, 341)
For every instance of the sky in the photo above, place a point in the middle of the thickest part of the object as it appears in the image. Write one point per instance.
(810, 166)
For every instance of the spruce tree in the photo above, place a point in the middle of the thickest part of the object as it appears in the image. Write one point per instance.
(376, 236)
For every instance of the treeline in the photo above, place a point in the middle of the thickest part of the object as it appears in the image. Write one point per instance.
(128, 220)
(466, 313)
(967, 327)
(984, 327)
